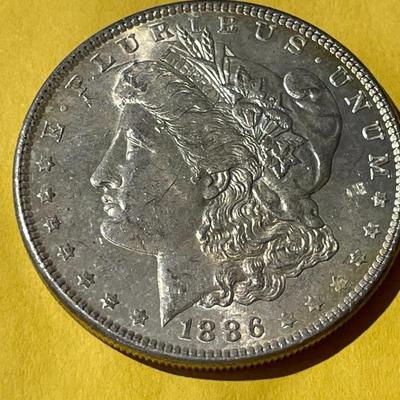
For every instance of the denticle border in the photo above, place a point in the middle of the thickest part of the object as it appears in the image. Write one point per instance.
(149, 349)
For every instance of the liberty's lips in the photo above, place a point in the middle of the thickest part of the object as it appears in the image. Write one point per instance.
(112, 207)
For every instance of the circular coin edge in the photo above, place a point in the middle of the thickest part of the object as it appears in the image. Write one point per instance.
(134, 344)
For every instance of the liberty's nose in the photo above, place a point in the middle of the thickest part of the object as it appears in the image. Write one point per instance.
(108, 173)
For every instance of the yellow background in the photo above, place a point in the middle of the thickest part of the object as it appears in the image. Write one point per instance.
(45, 354)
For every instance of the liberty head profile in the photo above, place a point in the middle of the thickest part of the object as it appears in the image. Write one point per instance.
(212, 170)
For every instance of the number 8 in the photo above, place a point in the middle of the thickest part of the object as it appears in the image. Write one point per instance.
(206, 331)
(233, 334)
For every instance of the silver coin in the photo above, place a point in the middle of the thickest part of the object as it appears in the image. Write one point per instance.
(210, 184)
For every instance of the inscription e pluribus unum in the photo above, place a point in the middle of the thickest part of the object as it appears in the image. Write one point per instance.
(264, 31)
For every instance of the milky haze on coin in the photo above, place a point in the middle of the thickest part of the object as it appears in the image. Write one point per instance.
(210, 184)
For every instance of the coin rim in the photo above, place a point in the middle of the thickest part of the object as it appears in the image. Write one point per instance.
(154, 350)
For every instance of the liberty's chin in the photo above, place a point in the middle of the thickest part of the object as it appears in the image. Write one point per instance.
(122, 232)
(111, 230)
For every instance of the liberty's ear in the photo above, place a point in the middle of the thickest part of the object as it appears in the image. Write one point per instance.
(310, 93)
(214, 183)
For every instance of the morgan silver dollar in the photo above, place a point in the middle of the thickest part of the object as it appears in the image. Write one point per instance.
(210, 184)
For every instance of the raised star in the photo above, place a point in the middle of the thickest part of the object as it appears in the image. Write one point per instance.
(357, 189)
(338, 283)
(371, 230)
(139, 317)
(109, 301)
(45, 164)
(86, 279)
(379, 199)
(313, 303)
(66, 251)
(46, 195)
(357, 258)
(52, 224)
(287, 320)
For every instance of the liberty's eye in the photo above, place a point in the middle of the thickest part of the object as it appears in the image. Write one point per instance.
(134, 143)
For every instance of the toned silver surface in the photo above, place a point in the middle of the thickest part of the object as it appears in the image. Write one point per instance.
(210, 184)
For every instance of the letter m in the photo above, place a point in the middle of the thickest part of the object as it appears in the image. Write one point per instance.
(376, 166)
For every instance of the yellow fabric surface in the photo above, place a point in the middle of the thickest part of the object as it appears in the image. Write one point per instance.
(45, 354)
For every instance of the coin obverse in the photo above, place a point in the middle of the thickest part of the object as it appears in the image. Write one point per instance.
(210, 184)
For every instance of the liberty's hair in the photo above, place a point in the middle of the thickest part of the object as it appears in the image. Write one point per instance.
(257, 251)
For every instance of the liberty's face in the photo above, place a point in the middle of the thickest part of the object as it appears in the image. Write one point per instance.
(147, 194)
